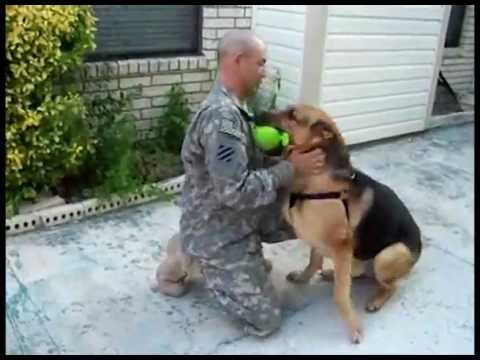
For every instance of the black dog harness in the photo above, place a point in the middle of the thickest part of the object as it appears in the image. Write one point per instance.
(322, 196)
(319, 196)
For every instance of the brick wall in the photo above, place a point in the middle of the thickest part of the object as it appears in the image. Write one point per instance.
(149, 79)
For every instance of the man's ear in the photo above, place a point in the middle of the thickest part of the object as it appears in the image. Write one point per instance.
(237, 56)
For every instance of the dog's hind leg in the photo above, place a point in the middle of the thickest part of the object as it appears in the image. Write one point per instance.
(315, 264)
(390, 265)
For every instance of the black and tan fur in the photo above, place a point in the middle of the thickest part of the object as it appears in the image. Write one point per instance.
(379, 227)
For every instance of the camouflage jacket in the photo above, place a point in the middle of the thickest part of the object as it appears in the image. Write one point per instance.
(227, 179)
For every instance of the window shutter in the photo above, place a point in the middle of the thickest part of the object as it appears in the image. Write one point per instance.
(126, 31)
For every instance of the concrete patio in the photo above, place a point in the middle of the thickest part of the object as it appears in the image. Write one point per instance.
(84, 288)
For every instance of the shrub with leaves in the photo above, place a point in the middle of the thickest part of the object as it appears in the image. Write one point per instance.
(159, 159)
(154, 164)
(45, 132)
(111, 166)
(114, 158)
(118, 164)
(266, 97)
(174, 120)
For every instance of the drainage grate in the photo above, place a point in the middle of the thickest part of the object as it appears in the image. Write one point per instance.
(139, 198)
(66, 213)
(98, 206)
(173, 186)
(61, 214)
(22, 223)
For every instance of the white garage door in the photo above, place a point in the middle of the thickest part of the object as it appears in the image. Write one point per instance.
(378, 66)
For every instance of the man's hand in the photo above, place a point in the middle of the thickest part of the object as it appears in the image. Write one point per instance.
(307, 163)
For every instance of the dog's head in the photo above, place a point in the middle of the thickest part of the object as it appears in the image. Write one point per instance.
(310, 128)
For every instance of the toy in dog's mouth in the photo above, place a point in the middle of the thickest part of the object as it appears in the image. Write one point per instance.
(269, 138)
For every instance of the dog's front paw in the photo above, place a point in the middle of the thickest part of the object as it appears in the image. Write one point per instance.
(297, 277)
(356, 332)
(327, 275)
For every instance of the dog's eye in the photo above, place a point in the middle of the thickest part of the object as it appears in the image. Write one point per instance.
(327, 134)
(292, 119)
(290, 111)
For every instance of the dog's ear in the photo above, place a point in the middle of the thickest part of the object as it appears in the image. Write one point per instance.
(292, 112)
(288, 150)
(321, 133)
(290, 109)
(326, 130)
(273, 117)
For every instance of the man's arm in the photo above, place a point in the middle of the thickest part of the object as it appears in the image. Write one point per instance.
(271, 160)
(227, 162)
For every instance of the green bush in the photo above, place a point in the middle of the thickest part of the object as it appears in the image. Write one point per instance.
(173, 122)
(58, 138)
(114, 158)
(266, 97)
(45, 132)
(120, 163)
(154, 164)
(159, 158)
(111, 166)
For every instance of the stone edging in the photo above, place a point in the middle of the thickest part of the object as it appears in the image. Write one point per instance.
(73, 212)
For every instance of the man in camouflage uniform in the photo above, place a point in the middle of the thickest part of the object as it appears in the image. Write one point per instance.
(230, 203)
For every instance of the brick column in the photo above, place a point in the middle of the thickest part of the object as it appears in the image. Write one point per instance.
(217, 20)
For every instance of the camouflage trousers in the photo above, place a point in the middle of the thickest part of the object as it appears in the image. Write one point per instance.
(243, 290)
(238, 279)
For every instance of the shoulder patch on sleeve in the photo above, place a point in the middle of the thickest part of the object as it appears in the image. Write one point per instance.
(230, 127)
(227, 156)
(225, 153)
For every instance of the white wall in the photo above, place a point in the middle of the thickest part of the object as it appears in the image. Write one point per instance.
(374, 64)
(378, 67)
(282, 29)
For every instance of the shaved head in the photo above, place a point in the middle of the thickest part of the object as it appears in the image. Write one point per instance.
(238, 42)
(241, 62)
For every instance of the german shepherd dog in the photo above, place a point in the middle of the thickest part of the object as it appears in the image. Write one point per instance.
(345, 215)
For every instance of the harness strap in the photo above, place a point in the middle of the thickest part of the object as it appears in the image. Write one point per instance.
(345, 204)
(319, 196)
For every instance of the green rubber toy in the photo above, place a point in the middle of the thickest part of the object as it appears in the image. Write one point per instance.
(269, 138)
